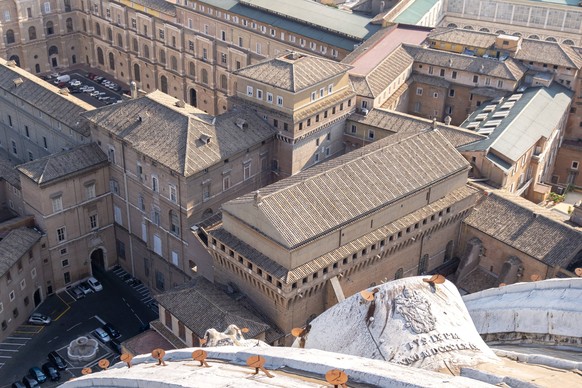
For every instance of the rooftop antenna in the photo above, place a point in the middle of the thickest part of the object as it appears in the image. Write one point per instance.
(200, 356)
(258, 363)
(159, 354)
(337, 377)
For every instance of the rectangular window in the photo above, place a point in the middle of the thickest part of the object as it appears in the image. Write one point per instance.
(499, 83)
(44, 142)
(430, 70)
(223, 58)
(206, 192)
(442, 72)
(250, 91)
(223, 35)
(160, 282)
(155, 183)
(247, 170)
(371, 134)
(451, 92)
(279, 100)
(175, 259)
(117, 215)
(258, 48)
(259, 94)
(47, 7)
(173, 194)
(419, 91)
(269, 98)
(33, 273)
(226, 183)
(90, 190)
(93, 221)
(114, 186)
(157, 244)
(65, 263)
(475, 79)
(61, 234)
(204, 53)
(57, 203)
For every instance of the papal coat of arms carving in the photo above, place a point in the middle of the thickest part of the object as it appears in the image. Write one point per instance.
(416, 311)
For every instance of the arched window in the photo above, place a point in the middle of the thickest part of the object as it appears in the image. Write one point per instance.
(468, 28)
(500, 32)
(452, 25)
(119, 40)
(69, 24)
(84, 25)
(192, 69)
(73, 59)
(174, 223)
(569, 42)
(53, 50)
(484, 29)
(100, 58)
(110, 34)
(551, 39)
(399, 274)
(174, 63)
(136, 73)
(97, 29)
(536, 37)
(111, 61)
(16, 59)
(146, 51)
(162, 56)
(516, 34)
(193, 101)
(10, 37)
(135, 45)
(223, 82)
(164, 84)
(50, 28)
(204, 76)
(31, 33)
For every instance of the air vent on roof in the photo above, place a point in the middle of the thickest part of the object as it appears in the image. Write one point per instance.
(241, 123)
(500, 115)
(143, 117)
(473, 125)
(18, 81)
(508, 105)
(485, 131)
(205, 138)
(491, 123)
(64, 91)
(498, 100)
(180, 103)
(481, 117)
(489, 108)
(11, 63)
(515, 97)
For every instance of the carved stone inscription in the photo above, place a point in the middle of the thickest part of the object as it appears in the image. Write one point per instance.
(416, 311)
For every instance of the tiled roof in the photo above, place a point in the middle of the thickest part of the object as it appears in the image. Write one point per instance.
(531, 49)
(307, 18)
(44, 96)
(159, 5)
(399, 122)
(431, 80)
(200, 305)
(322, 198)
(15, 245)
(377, 80)
(293, 71)
(289, 276)
(9, 173)
(526, 227)
(176, 136)
(508, 69)
(536, 113)
(63, 164)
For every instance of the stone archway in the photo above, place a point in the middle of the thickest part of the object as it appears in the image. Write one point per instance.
(98, 260)
(37, 298)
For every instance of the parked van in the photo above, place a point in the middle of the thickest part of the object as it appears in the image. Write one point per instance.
(64, 78)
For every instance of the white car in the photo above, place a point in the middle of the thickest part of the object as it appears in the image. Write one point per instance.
(89, 89)
(75, 82)
(94, 284)
(102, 335)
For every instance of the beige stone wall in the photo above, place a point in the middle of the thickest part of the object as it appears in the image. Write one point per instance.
(564, 173)
(26, 277)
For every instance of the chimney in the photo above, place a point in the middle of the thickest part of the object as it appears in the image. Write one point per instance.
(258, 197)
(434, 123)
(133, 89)
(180, 103)
(448, 120)
(18, 81)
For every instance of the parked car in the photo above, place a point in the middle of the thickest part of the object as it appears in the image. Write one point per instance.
(102, 335)
(39, 319)
(103, 98)
(37, 374)
(89, 89)
(83, 286)
(29, 382)
(51, 372)
(94, 94)
(57, 360)
(75, 82)
(94, 284)
(112, 331)
(17, 384)
(77, 293)
(98, 78)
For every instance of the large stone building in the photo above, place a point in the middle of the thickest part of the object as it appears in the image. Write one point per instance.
(187, 49)
(172, 165)
(383, 212)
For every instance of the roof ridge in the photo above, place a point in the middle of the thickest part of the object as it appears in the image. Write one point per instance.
(405, 136)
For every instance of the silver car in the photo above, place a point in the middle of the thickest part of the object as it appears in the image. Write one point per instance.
(102, 335)
(39, 319)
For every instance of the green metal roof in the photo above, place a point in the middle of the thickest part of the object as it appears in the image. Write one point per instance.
(415, 11)
(306, 18)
